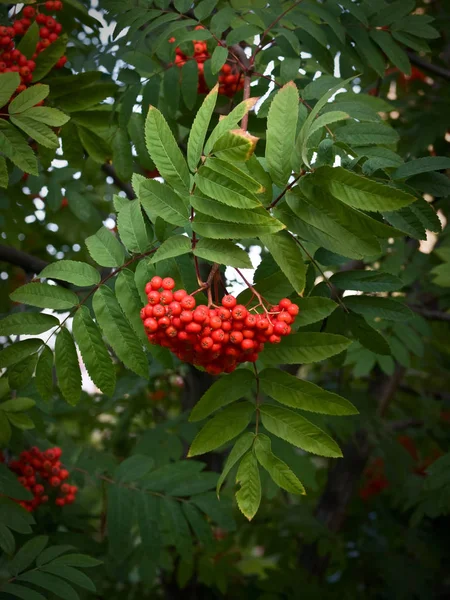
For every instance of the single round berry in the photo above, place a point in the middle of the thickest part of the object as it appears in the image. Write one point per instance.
(293, 310)
(159, 311)
(60, 501)
(178, 295)
(151, 325)
(280, 328)
(186, 316)
(64, 474)
(163, 322)
(239, 312)
(174, 308)
(188, 302)
(168, 283)
(153, 297)
(28, 12)
(229, 301)
(206, 343)
(284, 316)
(55, 481)
(156, 282)
(284, 303)
(247, 345)
(236, 337)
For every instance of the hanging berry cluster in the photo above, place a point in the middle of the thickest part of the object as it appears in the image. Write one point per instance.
(41, 473)
(231, 80)
(11, 58)
(216, 338)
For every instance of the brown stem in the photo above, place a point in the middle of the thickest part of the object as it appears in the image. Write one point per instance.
(286, 189)
(427, 66)
(260, 45)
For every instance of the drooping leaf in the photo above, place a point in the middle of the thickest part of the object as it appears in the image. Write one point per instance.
(73, 271)
(376, 307)
(305, 348)
(159, 200)
(224, 189)
(93, 350)
(27, 323)
(229, 122)
(130, 302)
(277, 469)
(298, 431)
(297, 393)
(421, 165)
(240, 447)
(67, 367)
(131, 226)
(216, 229)
(222, 428)
(44, 295)
(51, 583)
(366, 281)
(28, 98)
(27, 554)
(288, 256)
(249, 495)
(313, 309)
(118, 332)
(281, 130)
(120, 517)
(19, 350)
(44, 374)
(105, 248)
(173, 246)
(225, 390)
(222, 252)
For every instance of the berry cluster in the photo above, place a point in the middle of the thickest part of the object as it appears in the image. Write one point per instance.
(11, 58)
(216, 338)
(41, 473)
(230, 80)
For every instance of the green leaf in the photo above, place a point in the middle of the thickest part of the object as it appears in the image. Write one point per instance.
(9, 82)
(224, 189)
(396, 55)
(131, 226)
(7, 542)
(199, 524)
(288, 256)
(240, 447)
(4, 178)
(148, 516)
(27, 44)
(236, 174)
(216, 209)
(249, 495)
(218, 58)
(164, 151)
(313, 309)
(17, 405)
(426, 215)
(222, 428)
(73, 271)
(277, 469)
(27, 323)
(47, 59)
(159, 200)
(5, 429)
(20, 421)
(225, 390)
(199, 129)
(173, 246)
(366, 134)
(421, 165)
(28, 98)
(359, 192)
(22, 592)
(367, 335)
(77, 560)
(118, 332)
(130, 302)
(9, 486)
(44, 295)
(18, 351)
(105, 248)
(44, 374)
(16, 148)
(47, 115)
(296, 393)
(121, 154)
(51, 583)
(36, 130)
(291, 427)
(27, 554)
(213, 228)
(72, 575)
(222, 252)
(51, 553)
(281, 130)
(376, 307)
(366, 281)
(305, 348)
(134, 468)
(93, 350)
(235, 145)
(67, 367)
(178, 528)
(120, 519)
(94, 145)
(229, 122)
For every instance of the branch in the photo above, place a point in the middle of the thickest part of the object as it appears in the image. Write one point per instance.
(427, 66)
(122, 185)
(29, 263)
(428, 313)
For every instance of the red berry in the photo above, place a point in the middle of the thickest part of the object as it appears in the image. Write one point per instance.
(44, 499)
(57, 452)
(49, 5)
(200, 314)
(156, 282)
(284, 316)
(284, 303)
(153, 297)
(247, 345)
(236, 337)
(44, 32)
(206, 343)
(57, 5)
(25, 71)
(188, 302)
(5, 40)
(28, 470)
(274, 339)
(53, 37)
(151, 325)
(41, 19)
(58, 28)
(70, 499)
(280, 328)
(178, 295)
(163, 322)
(65, 488)
(166, 297)
(174, 308)
(239, 312)
(229, 301)
(168, 283)
(159, 311)
(28, 12)
(293, 310)
(38, 489)
(18, 28)
(60, 501)
(186, 316)
(50, 22)
(55, 481)
(64, 474)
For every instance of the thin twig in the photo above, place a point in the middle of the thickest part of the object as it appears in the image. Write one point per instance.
(283, 14)
(286, 189)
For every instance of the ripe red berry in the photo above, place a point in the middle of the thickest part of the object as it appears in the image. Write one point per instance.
(60, 501)
(178, 295)
(25, 71)
(239, 312)
(229, 301)
(28, 12)
(280, 328)
(168, 283)
(64, 474)
(163, 322)
(284, 316)
(188, 302)
(200, 314)
(186, 316)
(18, 28)
(156, 282)
(57, 5)
(293, 310)
(153, 297)
(58, 28)
(247, 345)
(49, 5)
(207, 343)
(159, 311)
(55, 481)
(70, 499)
(166, 297)
(41, 19)
(274, 339)
(174, 308)
(52, 38)
(38, 489)
(236, 337)
(151, 324)
(65, 488)
(44, 32)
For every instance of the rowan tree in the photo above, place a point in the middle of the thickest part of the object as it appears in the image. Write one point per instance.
(225, 270)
